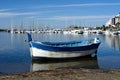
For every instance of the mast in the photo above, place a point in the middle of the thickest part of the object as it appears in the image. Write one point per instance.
(11, 25)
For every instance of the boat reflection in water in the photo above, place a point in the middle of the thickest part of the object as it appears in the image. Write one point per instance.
(88, 63)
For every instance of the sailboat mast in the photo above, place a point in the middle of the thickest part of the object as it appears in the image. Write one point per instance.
(11, 25)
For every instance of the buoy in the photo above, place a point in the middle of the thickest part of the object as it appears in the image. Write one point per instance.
(25, 40)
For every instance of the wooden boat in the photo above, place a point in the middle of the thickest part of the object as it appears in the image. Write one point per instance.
(62, 49)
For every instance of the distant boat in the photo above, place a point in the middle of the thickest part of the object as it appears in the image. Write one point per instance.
(62, 49)
(98, 32)
(114, 33)
(107, 32)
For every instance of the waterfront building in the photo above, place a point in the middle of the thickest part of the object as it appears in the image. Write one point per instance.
(113, 21)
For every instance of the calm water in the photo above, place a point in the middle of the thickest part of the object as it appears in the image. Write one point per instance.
(15, 56)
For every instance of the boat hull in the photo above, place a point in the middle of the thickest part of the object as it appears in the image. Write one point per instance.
(51, 54)
(62, 49)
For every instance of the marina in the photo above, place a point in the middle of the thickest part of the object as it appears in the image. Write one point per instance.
(59, 39)
(62, 31)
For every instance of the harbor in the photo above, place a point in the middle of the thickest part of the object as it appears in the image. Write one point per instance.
(12, 59)
(105, 60)
(73, 31)
(59, 40)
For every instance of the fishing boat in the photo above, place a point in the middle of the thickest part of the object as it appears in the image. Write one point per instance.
(62, 49)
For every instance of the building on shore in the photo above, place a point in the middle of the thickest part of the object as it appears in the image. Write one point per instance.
(114, 22)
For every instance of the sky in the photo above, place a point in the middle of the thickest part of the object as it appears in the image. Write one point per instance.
(56, 13)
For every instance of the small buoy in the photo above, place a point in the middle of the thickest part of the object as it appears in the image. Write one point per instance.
(25, 40)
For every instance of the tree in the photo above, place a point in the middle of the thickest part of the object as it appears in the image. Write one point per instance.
(103, 28)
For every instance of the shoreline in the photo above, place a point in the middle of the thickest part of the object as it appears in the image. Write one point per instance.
(67, 74)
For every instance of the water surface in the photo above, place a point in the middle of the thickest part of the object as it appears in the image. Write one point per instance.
(15, 55)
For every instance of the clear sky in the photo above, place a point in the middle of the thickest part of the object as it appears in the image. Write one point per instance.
(57, 13)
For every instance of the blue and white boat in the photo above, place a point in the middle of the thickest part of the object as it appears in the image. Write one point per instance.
(62, 49)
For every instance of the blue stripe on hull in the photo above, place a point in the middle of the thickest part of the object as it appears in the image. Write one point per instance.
(64, 49)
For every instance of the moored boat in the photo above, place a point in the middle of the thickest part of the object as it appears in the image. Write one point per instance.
(63, 49)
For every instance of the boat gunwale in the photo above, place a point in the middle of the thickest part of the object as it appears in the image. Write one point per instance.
(42, 43)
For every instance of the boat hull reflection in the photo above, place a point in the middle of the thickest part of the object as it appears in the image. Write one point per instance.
(88, 63)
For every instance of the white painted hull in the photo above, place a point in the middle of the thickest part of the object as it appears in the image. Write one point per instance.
(49, 54)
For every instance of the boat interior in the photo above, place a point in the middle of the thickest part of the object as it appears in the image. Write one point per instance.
(69, 44)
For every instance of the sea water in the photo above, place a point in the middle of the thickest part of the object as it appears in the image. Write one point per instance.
(15, 56)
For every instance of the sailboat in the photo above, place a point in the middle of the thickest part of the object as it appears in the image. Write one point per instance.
(11, 25)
